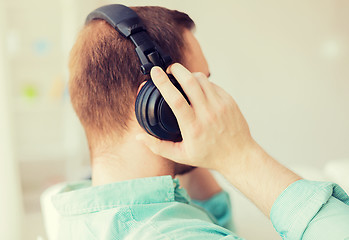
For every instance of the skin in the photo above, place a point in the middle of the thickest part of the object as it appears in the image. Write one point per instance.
(216, 135)
(129, 159)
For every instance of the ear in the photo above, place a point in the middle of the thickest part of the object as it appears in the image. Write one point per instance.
(140, 86)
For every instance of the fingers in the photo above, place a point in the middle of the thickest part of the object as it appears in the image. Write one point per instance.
(201, 78)
(221, 93)
(166, 149)
(172, 96)
(207, 87)
(189, 83)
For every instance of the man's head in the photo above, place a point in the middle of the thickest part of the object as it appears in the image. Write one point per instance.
(105, 71)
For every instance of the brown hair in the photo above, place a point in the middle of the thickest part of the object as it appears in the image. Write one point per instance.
(105, 70)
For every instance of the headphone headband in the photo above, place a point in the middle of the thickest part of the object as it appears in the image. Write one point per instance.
(129, 25)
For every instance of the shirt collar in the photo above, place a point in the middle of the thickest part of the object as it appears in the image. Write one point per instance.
(81, 198)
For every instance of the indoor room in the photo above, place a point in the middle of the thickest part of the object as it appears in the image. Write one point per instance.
(285, 64)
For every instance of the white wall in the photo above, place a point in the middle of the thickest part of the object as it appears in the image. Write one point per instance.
(10, 196)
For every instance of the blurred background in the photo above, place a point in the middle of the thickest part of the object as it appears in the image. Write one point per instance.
(286, 63)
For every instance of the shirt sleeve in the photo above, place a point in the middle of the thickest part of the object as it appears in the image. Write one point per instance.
(219, 207)
(311, 210)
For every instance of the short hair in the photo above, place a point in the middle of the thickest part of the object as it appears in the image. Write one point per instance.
(105, 70)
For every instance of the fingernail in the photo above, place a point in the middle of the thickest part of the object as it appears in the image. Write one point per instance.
(155, 71)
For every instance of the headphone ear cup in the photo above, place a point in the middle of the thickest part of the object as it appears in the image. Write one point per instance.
(154, 115)
(140, 106)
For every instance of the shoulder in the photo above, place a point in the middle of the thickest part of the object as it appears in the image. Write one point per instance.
(180, 223)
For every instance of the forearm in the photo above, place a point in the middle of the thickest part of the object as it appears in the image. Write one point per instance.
(200, 184)
(259, 177)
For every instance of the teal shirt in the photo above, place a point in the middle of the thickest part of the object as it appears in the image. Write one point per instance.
(312, 210)
(158, 208)
(146, 208)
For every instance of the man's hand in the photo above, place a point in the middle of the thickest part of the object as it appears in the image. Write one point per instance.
(212, 126)
(216, 135)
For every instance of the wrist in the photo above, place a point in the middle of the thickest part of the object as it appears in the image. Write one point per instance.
(240, 160)
(259, 177)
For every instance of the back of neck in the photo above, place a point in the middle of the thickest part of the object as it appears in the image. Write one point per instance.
(129, 160)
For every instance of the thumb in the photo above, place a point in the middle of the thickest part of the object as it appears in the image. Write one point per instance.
(166, 149)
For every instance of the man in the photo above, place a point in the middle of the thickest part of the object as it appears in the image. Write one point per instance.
(133, 194)
(215, 135)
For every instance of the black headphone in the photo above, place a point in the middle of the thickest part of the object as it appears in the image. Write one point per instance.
(152, 111)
